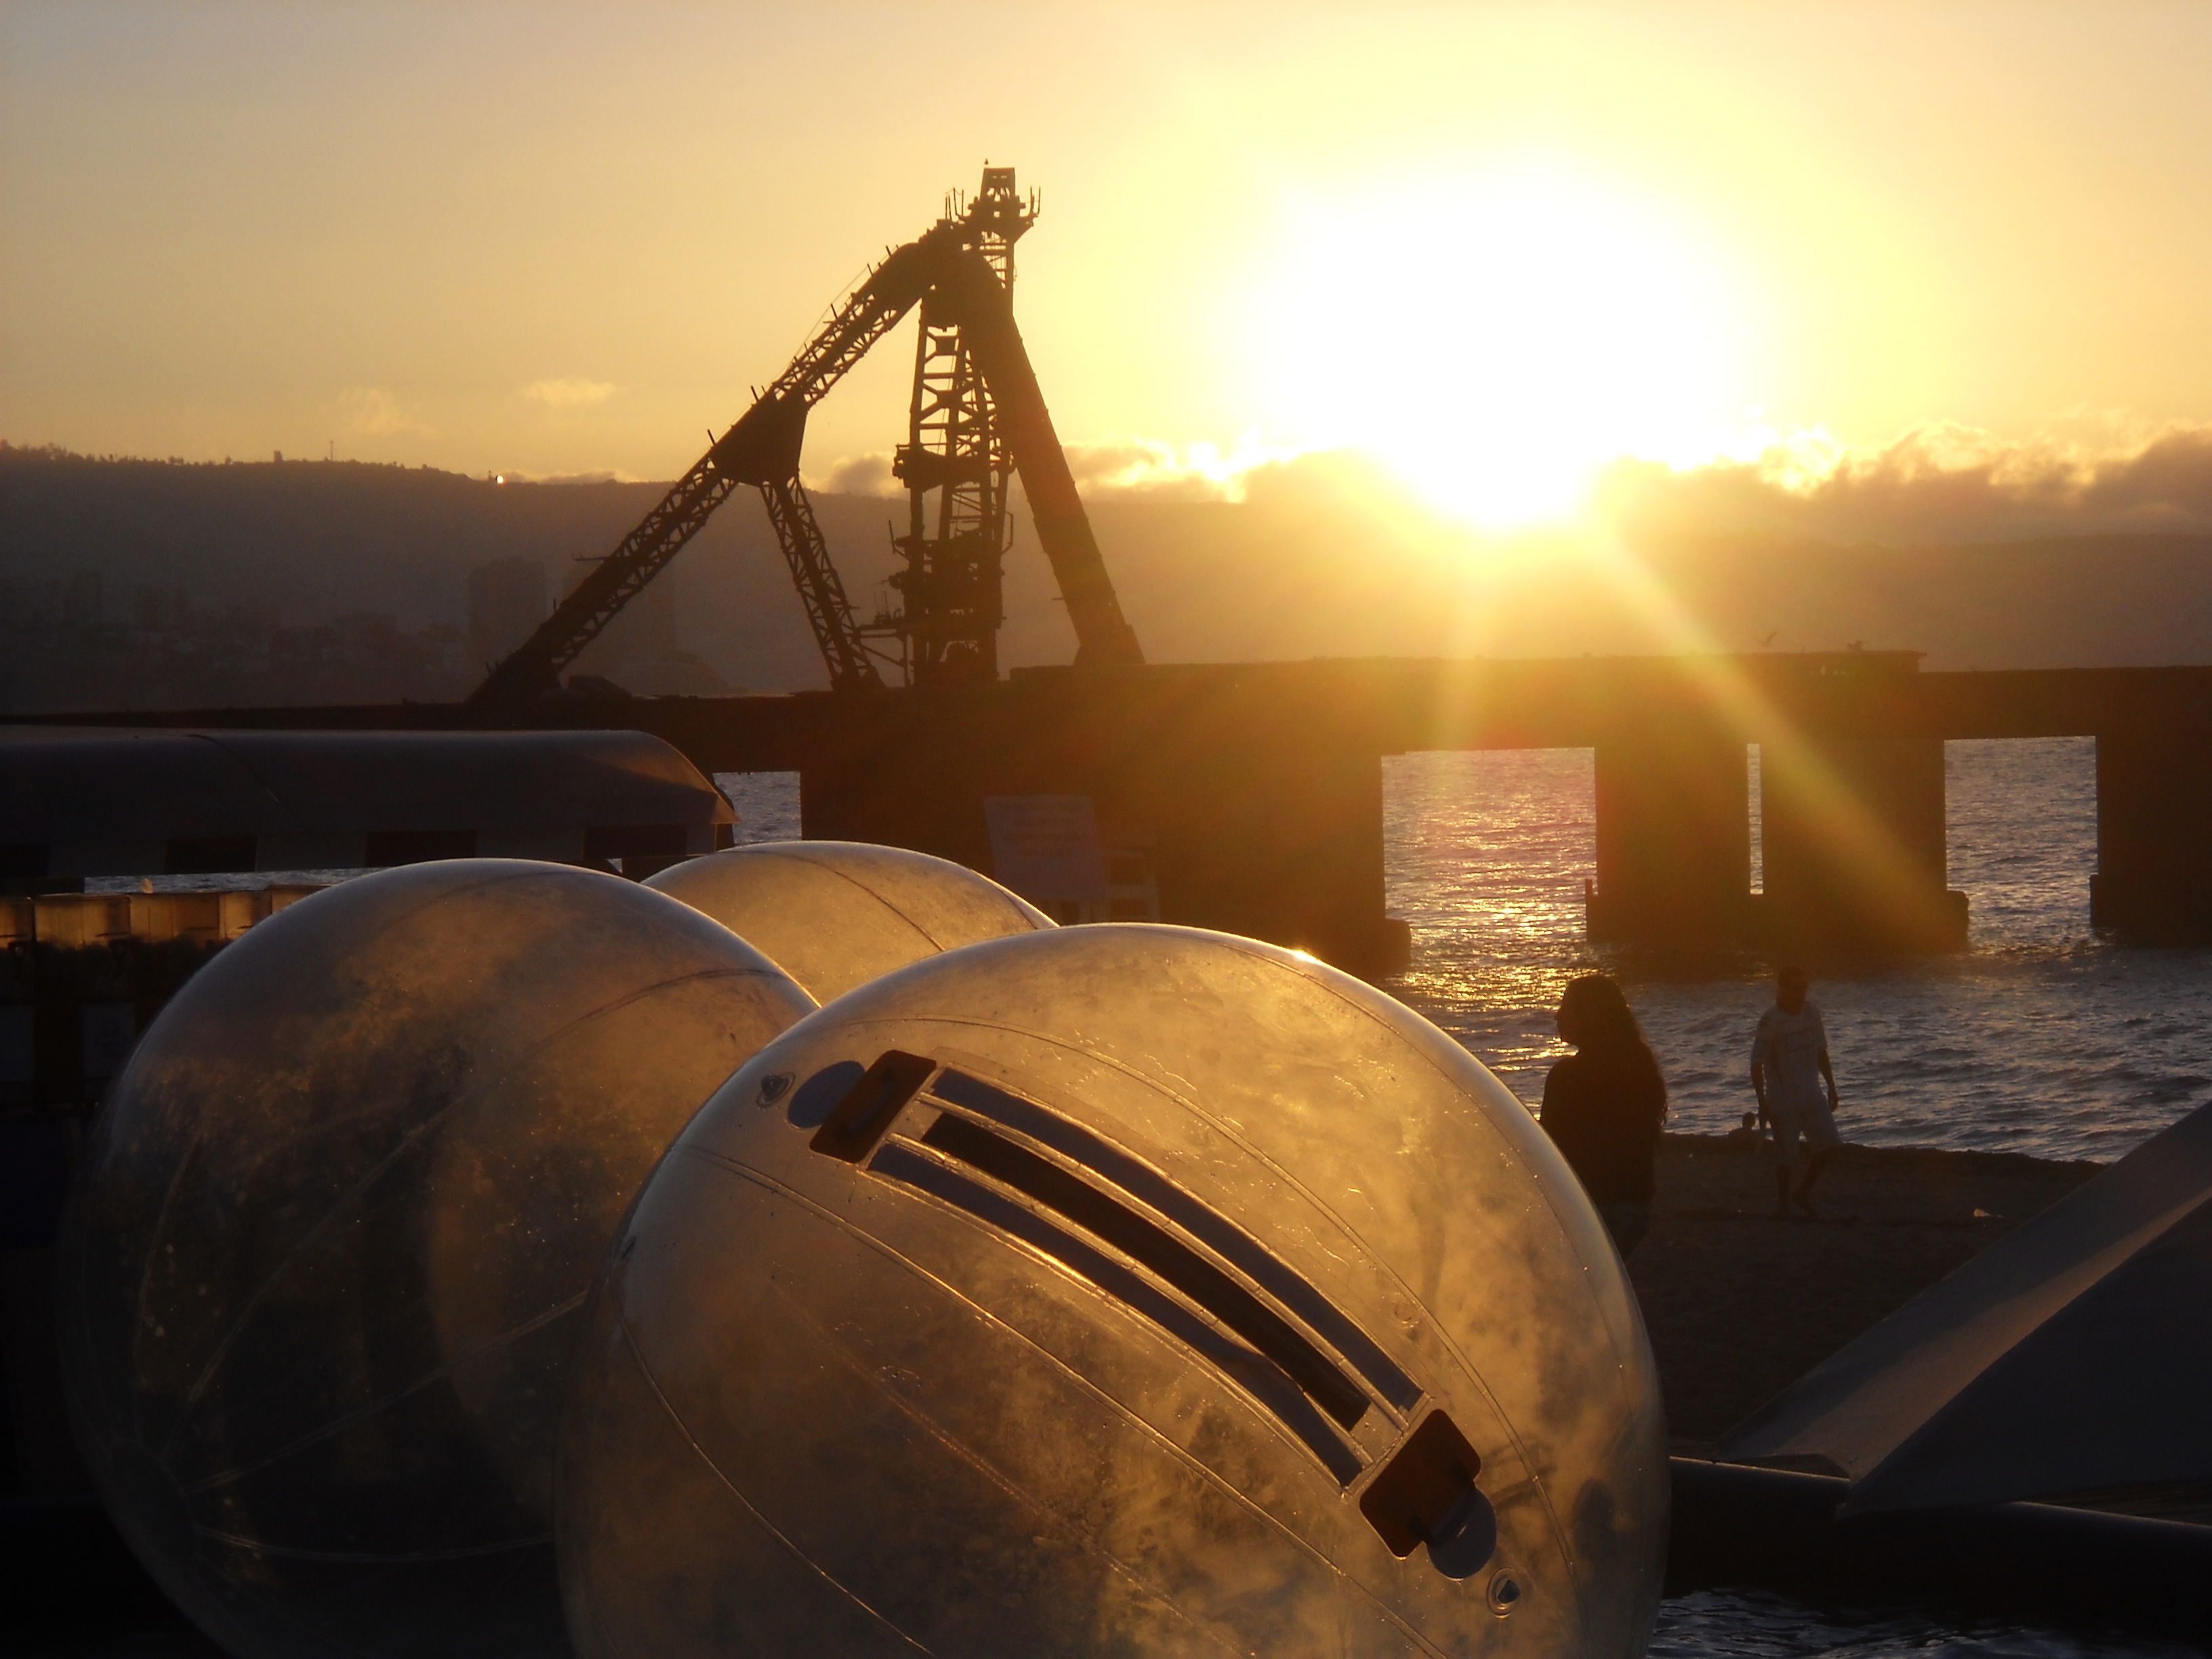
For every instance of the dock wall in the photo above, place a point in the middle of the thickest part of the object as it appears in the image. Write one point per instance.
(1254, 790)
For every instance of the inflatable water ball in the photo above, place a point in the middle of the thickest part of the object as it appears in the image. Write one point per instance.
(836, 913)
(1126, 1290)
(338, 1222)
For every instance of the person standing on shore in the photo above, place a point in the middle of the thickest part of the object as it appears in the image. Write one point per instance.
(1796, 1090)
(1603, 1105)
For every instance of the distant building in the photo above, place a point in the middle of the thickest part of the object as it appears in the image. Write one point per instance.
(507, 601)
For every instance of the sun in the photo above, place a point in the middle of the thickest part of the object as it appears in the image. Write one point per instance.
(1495, 337)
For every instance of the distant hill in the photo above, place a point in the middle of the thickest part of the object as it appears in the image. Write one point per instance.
(222, 574)
(2069, 602)
(1307, 571)
(302, 543)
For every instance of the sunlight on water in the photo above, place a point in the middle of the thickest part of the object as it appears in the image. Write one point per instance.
(1745, 1624)
(2039, 1040)
(766, 802)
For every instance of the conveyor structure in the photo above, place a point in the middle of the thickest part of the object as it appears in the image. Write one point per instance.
(976, 422)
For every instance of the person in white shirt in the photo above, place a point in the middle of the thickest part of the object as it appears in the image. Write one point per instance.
(1796, 1089)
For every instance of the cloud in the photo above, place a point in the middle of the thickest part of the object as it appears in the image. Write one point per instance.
(1150, 467)
(565, 396)
(868, 474)
(604, 476)
(1941, 484)
(371, 411)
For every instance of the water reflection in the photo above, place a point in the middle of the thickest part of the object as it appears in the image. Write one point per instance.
(2039, 1040)
(1745, 1624)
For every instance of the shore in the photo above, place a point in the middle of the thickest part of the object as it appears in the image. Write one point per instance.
(1740, 1303)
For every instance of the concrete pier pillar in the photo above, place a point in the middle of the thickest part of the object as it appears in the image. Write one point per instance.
(1247, 813)
(2154, 880)
(1854, 851)
(1674, 838)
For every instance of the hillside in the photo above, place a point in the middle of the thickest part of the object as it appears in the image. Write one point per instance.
(145, 583)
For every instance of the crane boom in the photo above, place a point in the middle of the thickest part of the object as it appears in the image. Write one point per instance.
(762, 448)
(952, 265)
(820, 590)
(534, 667)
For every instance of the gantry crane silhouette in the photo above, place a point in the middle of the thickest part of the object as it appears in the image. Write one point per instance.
(977, 420)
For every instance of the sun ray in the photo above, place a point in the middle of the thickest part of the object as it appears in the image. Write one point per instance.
(1869, 844)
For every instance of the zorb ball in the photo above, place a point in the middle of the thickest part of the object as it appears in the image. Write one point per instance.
(337, 1225)
(1123, 1290)
(837, 914)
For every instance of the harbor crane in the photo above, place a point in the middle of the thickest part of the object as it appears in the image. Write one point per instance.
(977, 421)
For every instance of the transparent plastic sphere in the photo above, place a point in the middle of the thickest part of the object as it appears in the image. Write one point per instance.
(336, 1231)
(1123, 1290)
(837, 914)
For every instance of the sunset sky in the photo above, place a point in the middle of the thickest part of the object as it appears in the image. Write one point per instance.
(1495, 246)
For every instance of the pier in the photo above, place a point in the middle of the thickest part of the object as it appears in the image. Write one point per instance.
(1251, 793)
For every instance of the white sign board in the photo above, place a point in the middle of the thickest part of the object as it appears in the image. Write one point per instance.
(1046, 847)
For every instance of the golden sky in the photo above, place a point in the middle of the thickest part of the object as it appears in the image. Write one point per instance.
(1494, 245)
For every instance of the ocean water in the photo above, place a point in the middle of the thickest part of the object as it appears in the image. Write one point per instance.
(2039, 1039)
(1748, 1625)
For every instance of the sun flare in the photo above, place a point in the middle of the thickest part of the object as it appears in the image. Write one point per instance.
(1496, 338)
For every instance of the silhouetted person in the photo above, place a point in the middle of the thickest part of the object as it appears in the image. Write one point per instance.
(1603, 1105)
(1796, 1089)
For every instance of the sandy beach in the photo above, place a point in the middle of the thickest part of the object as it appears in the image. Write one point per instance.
(1740, 1303)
